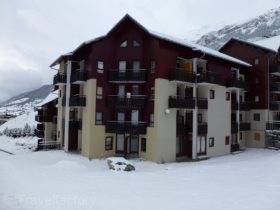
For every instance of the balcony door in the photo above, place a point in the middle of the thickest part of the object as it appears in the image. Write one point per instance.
(201, 145)
(134, 144)
(122, 66)
(134, 116)
(121, 117)
(121, 91)
(136, 65)
(120, 143)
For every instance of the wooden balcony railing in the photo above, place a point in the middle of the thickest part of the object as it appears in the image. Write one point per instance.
(128, 76)
(132, 102)
(181, 102)
(126, 127)
(78, 77)
(59, 79)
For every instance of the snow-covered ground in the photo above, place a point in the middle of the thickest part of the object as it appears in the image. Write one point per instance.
(58, 180)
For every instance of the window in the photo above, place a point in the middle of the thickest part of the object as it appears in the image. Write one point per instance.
(227, 140)
(257, 117)
(100, 66)
(227, 96)
(136, 44)
(120, 116)
(123, 44)
(257, 99)
(241, 135)
(199, 118)
(256, 61)
(136, 65)
(98, 118)
(240, 117)
(108, 143)
(257, 136)
(99, 93)
(143, 144)
(122, 66)
(151, 120)
(153, 66)
(212, 94)
(152, 93)
(211, 142)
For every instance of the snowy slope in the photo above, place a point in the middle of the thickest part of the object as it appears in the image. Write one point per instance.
(24, 102)
(266, 25)
(20, 121)
(57, 180)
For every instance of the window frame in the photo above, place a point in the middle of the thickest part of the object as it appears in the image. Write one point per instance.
(110, 145)
(211, 142)
(98, 121)
(100, 70)
(212, 94)
(98, 94)
(257, 117)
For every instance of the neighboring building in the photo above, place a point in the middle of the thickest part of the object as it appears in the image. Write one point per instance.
(47, 122)
(133, 92)
(264, 89)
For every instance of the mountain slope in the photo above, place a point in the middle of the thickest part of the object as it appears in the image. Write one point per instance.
(22, 103)
(263, 26)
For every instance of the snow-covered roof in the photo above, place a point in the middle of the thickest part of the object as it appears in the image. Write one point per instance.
(196, 47)
(255, 44)
(168, 38)
(272, 43)
(51, 97)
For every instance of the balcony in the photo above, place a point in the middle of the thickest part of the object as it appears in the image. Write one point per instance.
(274, 69)
(274, 105)
(59, 79)
(39, 118)
(128, 76)
(202, 128)
(132, 102)
(234, 127)
(126, 127)
(75, 101)
(78, 77)
(209, 78)
(202, 103)
(182, 76)
(39, 133)
(75, 124)
(244, 106)
(181, 102)
(235, 83)
(244, 126)
(40, 126)
(273, 126)
(275, 88)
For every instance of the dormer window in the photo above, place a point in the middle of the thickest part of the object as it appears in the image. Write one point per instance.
(136, 44)
(124, 44)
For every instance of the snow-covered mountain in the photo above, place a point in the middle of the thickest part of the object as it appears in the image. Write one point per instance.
(25, 102)
(263, 26)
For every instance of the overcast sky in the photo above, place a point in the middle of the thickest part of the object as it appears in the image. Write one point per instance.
(34, 33)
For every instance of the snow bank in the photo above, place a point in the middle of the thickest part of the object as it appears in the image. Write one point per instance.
(18, 145)
(272, 43)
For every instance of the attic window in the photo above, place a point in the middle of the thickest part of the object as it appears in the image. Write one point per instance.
(136, 44)
(124, 44)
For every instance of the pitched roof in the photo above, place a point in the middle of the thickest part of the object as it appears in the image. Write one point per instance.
(272, 43)
(254, 44)
(51, 97)
(174, 40)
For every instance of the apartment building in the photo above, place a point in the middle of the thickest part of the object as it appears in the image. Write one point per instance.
(137, 93)
(264, 93)
(47, 122)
